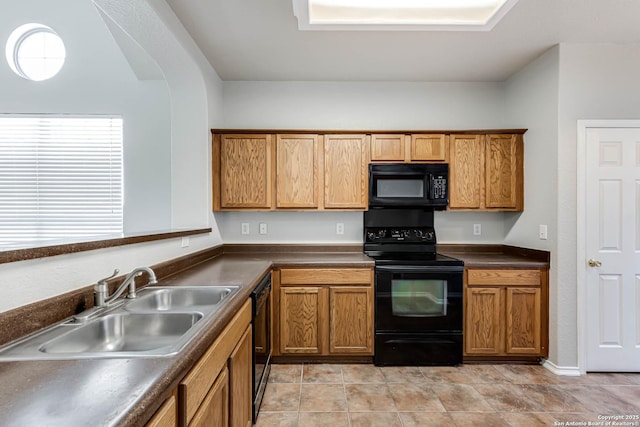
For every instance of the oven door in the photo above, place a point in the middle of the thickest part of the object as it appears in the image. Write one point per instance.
(418, 298)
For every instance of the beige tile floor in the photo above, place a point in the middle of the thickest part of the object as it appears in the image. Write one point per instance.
(312, 395)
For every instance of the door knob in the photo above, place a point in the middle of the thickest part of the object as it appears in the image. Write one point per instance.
(594, 263)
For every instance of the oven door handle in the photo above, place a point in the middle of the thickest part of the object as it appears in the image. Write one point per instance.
(420, 268)
(420, 341)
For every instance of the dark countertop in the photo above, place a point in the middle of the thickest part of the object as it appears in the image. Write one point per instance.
(111, 392)
(496, 256)
(127, 392)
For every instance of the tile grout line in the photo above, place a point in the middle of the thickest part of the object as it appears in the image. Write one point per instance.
(346, 399)
(300, 393)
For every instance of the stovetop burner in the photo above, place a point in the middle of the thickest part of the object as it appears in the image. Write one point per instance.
(403, 237)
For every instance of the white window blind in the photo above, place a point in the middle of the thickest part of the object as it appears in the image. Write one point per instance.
(60, 177)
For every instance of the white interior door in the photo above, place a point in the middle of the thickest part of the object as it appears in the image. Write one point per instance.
(612, 244)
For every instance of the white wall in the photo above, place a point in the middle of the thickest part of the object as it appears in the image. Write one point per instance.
(596, 81)
(195, 95)
(360, 105)
(96, 79)
(532, 103)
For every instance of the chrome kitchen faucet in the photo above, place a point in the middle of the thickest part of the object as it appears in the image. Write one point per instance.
(101, 290)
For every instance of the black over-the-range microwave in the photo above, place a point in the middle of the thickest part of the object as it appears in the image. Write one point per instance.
(410, 185)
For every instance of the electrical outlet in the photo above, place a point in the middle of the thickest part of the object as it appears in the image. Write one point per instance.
(542, 232)
(245, 228)
(263, 228)
(477, 229)
(339, 227)
(185, 242)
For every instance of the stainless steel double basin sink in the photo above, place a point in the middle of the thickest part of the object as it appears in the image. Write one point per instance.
(159, 322)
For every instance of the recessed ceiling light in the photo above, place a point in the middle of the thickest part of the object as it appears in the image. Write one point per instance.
(400, 15)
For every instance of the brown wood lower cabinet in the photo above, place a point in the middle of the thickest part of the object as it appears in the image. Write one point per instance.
(217, 390)
(214, 409)
(240, 369)
(323, 312)
(167, 415)
(506, 313)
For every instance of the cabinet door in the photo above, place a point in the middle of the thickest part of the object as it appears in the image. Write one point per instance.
(214, 411)
(240, 382)
(301, 325)
(483, 333)
(523, 322)
(346, 176)
(503, 170)
(167, 415)
(387, 148)
(297, 166)
(465, 171)
(351, 319)
(428, 148)
(245, 171)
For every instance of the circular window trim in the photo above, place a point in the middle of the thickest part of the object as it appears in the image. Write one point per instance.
(15, 41)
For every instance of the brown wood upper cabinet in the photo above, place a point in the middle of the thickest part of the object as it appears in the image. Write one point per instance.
(297, 168)
(242, 171)
(346, 174)
(314, 171)
(417, 147)
(486, 172)
(290, 171)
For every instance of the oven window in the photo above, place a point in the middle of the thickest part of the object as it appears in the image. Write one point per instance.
(400, 187)
(419, 298)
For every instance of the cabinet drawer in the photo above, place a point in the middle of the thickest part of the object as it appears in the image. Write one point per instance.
(503, 277)
(325, 276)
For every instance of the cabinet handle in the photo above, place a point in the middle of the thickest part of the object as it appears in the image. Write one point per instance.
(594, 263)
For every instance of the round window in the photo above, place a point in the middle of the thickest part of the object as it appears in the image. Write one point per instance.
(35, 52)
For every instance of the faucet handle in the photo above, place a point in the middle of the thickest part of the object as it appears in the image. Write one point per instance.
(115, 273)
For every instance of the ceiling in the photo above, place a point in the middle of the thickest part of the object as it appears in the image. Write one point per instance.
(260, 40)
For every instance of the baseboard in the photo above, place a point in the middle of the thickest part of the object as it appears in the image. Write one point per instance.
(568, 371)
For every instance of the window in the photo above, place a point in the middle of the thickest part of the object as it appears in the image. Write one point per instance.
(35, 52)
(400, 15)
(60, 177)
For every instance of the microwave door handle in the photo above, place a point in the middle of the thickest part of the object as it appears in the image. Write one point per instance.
(430, 186)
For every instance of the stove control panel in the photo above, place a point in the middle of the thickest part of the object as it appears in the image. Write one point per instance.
(383, 235)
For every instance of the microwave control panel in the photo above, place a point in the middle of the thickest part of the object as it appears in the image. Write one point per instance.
(438, 187)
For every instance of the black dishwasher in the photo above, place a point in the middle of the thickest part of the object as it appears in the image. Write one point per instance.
(261, 334)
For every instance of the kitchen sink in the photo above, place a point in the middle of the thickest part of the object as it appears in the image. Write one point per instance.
(159, 322)
(180, 298)
(124, 332)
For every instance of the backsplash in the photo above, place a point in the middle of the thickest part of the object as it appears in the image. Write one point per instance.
(322, 227)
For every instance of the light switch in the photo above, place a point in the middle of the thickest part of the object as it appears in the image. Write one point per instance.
(263, 228)
(245, 228)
